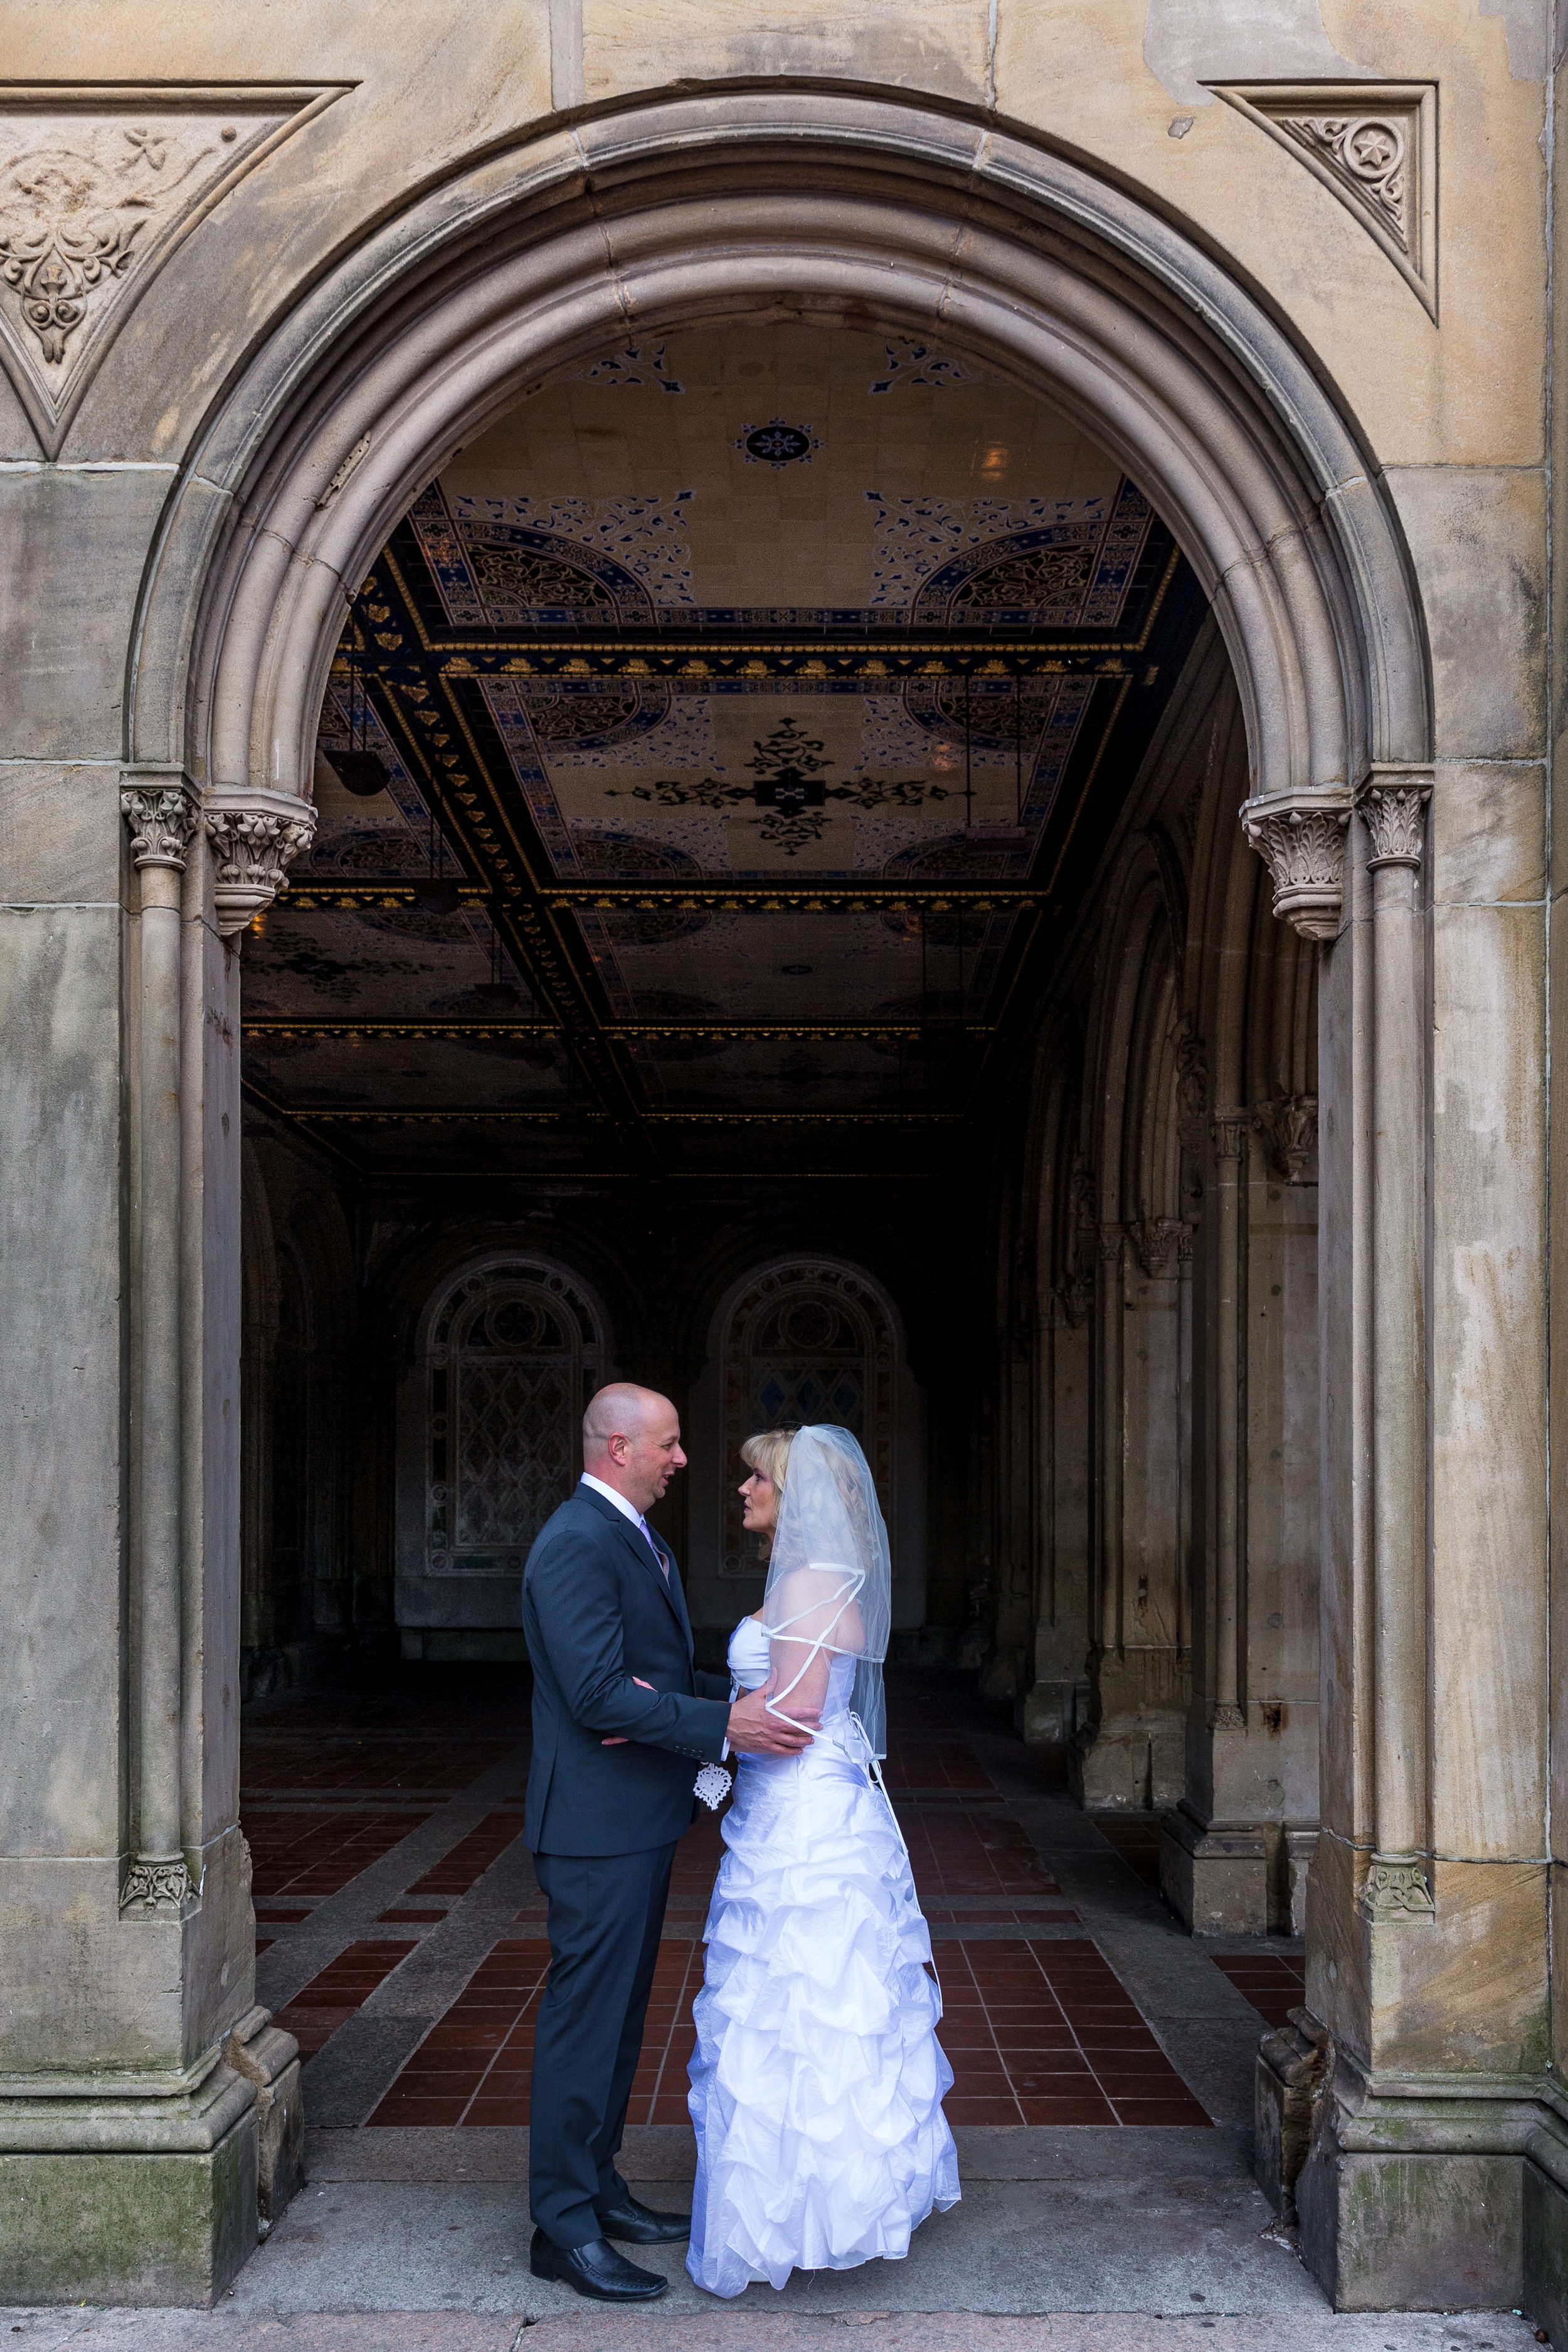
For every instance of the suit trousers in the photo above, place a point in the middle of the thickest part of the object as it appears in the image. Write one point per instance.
(606, 1914)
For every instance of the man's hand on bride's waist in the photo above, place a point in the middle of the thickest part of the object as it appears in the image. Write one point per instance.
(754, 1732)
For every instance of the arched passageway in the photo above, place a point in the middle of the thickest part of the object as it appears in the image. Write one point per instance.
(500, 510)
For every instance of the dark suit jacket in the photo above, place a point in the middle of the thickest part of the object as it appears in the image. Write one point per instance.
(596, 1611)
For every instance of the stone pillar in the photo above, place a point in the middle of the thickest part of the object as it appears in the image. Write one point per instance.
(1134, 1759)
(128, 2031)
(1410, 2111)
(1396, 1888)
(1058, 1698)
(1213, 1858)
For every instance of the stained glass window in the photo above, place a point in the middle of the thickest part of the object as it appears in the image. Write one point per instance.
(807, 1341)
(516, 1353)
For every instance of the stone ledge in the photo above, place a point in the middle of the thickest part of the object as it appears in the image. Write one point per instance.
(112, 2126)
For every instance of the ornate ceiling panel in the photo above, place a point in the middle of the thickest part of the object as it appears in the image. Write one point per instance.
(717, 622)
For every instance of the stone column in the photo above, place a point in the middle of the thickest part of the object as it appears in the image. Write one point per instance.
(1212, 1854)
(162, 817)
(128, 2026)
(1223, 1645)
(1395, 1888)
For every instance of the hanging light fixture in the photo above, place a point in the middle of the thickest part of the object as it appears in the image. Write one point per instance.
(358, 769)
(495, 990)
(437, 894)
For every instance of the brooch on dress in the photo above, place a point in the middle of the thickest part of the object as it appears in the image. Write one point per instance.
(712, 1785)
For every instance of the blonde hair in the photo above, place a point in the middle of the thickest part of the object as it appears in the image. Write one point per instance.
(768, 1451)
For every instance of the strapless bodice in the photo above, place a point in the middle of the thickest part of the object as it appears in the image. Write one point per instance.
(750, 1664)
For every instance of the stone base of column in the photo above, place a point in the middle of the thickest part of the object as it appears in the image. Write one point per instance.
(128, 2200)
(269, 2058)
(1546, 2243)
(1291, 2064)
(1047, 1714)
(1392, 2232)
(1214, 1878)
(1431, 2202)
(1126, 1767)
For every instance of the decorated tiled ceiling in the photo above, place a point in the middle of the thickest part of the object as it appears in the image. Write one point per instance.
(724, 724)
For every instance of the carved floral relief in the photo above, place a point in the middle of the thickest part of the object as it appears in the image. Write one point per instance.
(1375, 145)
(96, 190)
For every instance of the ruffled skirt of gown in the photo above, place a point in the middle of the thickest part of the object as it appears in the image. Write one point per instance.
(817, 2080)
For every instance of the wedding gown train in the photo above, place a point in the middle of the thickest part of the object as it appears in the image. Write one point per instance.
(817, 2080)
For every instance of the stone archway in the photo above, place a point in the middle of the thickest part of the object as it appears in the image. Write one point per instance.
(762, 202)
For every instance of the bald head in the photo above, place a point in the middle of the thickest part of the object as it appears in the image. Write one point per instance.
(631, 1441)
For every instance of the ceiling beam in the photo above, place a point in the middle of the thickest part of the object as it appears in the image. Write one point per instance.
(280, 1026)
(489, 1114)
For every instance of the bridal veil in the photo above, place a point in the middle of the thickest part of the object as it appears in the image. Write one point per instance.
(830, 1578)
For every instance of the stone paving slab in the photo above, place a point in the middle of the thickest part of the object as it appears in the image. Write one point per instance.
(1112, 2237)
(586, 2330)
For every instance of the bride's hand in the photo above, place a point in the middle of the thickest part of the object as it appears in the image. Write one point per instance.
(754, 1732)
(620, 1738)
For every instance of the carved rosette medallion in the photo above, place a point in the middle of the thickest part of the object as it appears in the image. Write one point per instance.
(1393, 802)
(157, 1884)
(97, 185)
(1300, 838)
(1375, 146)
(162, 818)
(1396, 1891)
(255, 838)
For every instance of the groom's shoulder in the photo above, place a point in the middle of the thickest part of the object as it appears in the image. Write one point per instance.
(571, 1526)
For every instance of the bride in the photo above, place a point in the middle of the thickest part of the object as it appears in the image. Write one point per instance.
(817, 2080)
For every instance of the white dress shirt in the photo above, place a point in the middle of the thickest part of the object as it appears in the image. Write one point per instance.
(627, 1510)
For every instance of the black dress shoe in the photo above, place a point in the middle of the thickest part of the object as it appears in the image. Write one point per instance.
(639, 2225)
(594, 2270)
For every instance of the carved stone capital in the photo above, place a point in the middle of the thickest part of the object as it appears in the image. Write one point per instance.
(1300, 838)
(162, 816)
(1393, 802)
(1192, 1082)
(1229, 1132)
(255, 838)
(1288, 1126)
(157, 1884)
(1155, 1238)
(1396, 1891)
(1077, 1294)
(1112, 1241)
(1227, 1716)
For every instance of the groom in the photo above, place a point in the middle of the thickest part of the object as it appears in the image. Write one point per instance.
(622, 1722)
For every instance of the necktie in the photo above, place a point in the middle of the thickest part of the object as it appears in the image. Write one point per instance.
(663, 1563)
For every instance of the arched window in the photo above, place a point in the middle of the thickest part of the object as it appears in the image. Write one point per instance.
(808, 1341)
(515, 1353)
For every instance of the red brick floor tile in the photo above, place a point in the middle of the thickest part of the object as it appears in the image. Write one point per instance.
(282, 1914)
(1137, 1842)
(408, 1915)
(318, 2007)
(265, 1943)
(1274, 1982)
(960, 2110)
(1073, 2111)
(456, 1871)
(284, 1760)
(297, 1850)
(935, 1763)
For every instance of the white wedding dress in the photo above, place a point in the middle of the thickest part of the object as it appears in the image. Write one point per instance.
(818, 2080)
